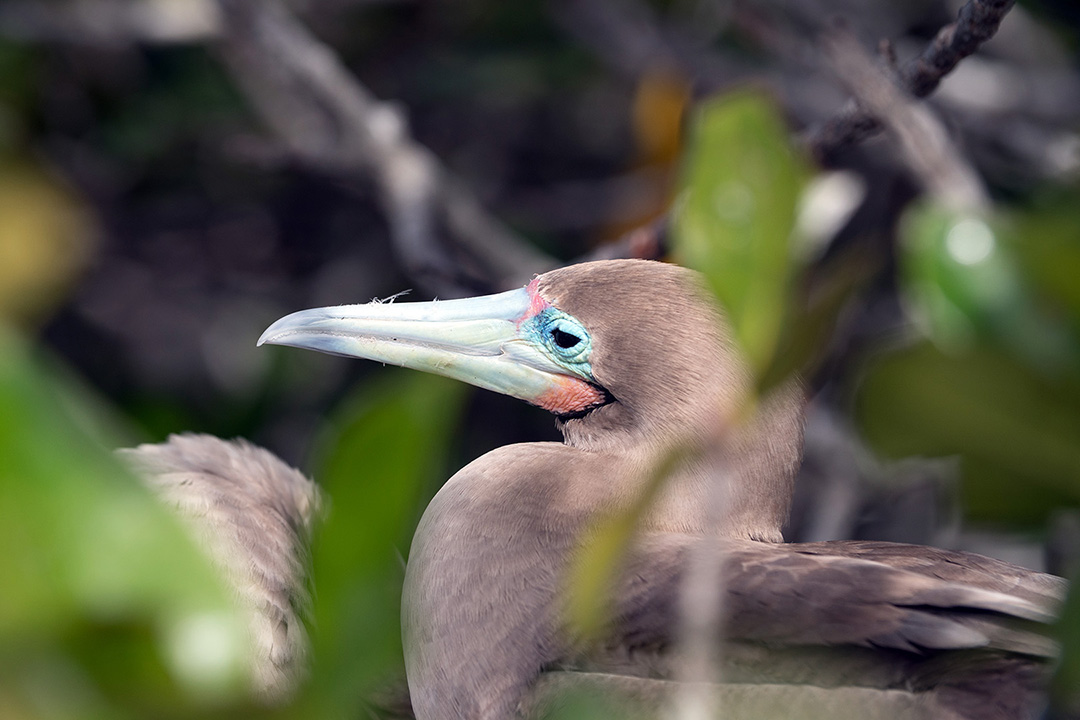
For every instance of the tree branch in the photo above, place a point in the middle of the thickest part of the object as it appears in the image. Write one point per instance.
(927, 148)
(109, 21)
(329, 120)
(976, 23)
(924, 141)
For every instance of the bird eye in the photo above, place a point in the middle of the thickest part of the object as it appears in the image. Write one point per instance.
(564, 339)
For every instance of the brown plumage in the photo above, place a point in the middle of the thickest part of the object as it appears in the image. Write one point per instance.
(253, 515)
(817, 630)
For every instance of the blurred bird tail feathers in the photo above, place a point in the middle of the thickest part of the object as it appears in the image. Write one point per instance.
(253, 515)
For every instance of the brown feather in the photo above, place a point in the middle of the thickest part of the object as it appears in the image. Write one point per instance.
(253, 514)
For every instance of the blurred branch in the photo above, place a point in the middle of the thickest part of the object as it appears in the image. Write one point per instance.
(879, 103)
(976, 23)
(110, 21)
(923, 140)
(702, 593)
(324, 117)
(442, 235)
(329, 120)
(126, 21)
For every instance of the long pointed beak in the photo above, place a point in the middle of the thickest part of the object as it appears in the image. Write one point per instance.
(475, 340)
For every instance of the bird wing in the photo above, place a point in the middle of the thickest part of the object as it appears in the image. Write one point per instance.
(253, 516)
(902, 597)
(952, 565)
(959, 633)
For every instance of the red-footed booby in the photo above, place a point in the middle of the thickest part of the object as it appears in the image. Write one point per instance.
(634, 358)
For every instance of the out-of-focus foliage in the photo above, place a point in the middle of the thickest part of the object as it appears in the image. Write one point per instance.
(735, 216)
(45, 241)
(968, 286)
(997, 381)
(104, 572)
(107, 609)
(384, 452)
(1014, 431)
(1066, 691)
(1046, 237)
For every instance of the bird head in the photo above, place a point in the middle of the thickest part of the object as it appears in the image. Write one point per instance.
(622, 349)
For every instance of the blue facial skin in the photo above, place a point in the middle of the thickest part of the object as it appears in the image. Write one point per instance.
(564, 339)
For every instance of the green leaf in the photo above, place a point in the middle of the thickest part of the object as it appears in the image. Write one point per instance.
(1065, 696)
(736, 213)
(596, 565)
(105, 601)
(1045, 240)
(46, 239)
(1014, 429)
(389, 445)
(964, 277)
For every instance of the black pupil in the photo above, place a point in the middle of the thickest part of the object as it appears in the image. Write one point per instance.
(564, 339)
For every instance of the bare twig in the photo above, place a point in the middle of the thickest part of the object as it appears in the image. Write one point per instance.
(976, 23)
(701, 599)
(329, 120)
(926, 146)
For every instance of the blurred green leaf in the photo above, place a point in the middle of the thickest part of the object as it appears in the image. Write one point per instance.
(1002, 387)
(107, 608)
(736, 214)
(963, 273)
(592, 699)
(46, 238)
(599, 560)
(1014, 429)
(389, 444)
(1046, 240)
(1066, 689)
(186, 93)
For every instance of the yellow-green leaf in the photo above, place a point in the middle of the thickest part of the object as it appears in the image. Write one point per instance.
(736, 212)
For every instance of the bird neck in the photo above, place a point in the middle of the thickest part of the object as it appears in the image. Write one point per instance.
(755, 460)
(726, 472)
(499, 535)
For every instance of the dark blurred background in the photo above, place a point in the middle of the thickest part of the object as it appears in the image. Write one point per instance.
(173, 179)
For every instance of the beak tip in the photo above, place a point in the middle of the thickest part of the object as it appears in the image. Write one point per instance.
(268, 337)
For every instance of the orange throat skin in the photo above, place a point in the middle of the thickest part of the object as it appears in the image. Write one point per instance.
(571, 396)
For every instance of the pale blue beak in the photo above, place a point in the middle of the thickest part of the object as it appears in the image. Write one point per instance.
(484, 341)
